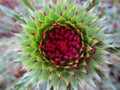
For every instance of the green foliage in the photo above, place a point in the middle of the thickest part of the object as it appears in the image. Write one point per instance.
(27, 3)
(83, 22)
(38, 70)
(10, 13)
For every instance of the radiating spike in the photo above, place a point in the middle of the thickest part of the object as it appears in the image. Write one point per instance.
(77, 62)
(83, 63)
(57, 67)
(52, 62)
(73, 75)
(33, 18)
(76, 66)
(50, 6)
(61, 14)
(43, 59)
(67, 68)
(19, 50)
(59, 78)
(36, 61)
(71, 64)
(50, 71)
(82, 56)
(45, 14)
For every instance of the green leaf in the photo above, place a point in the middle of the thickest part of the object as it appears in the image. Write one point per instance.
(79, 25)
(48, 20)
(33, 15)
(27, 3)
(115, 50)
(40, 30)
(93, 3)
(52, 75)
(66, 77)
(53, 6)
(65, 3)
(100, 51)
(26, 42)
(44, 75)
(87, 20)
(92, 72)
(65, 15)
(46, 25)
(93, 63)
(23, 35)
(37, 22)
(93, 42)
(82, 9)
(59, 73)
(84, 29)
(89, 80)
(30, 29)
(53, 15)
(63, 85)
(37, 54)
(35, 74)
(100, 73)
(99, 36)
(81, 17)
(46, 9)
(71, 12)
(11, 13)
(61, 19)
(29, 63)
(49, 85)
(51, 68)
(37, 65)
(38, 37)
(30, 23)
(36, 2)
(19, 86)
(34, 45)
(44, 65)
(28, 49)
(97, 22)
(23, 58)
(82, 69)
(41, 16)
(74, 83)
(74, 19)
(83, 63)
(58, 9)
(89, 48)
(80, 76)
(90, 32)
(101, 59)
(55, 83)
(33, 38)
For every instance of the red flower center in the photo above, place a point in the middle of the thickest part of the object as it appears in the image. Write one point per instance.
(62, 46)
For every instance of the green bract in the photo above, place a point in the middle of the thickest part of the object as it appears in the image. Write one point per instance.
(63, 45)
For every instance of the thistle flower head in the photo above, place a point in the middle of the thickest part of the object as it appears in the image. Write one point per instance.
(63, 45)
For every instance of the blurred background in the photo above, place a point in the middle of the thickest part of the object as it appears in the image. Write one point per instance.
(11, 71)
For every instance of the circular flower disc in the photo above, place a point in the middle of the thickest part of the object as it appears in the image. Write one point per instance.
(63, 40)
